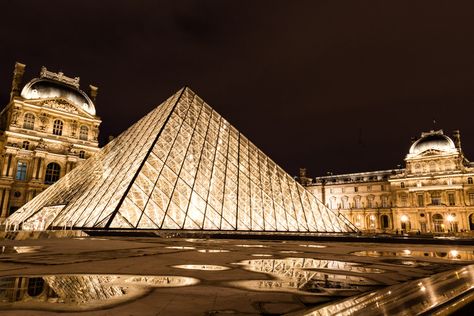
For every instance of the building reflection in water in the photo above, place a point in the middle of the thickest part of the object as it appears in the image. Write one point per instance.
(87, 291)
(452, 254)
(309, 275)
(439, 291)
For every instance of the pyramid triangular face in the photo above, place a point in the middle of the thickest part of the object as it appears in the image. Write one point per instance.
(182, 166)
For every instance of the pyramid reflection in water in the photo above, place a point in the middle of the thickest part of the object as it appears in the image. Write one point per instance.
(182, 166)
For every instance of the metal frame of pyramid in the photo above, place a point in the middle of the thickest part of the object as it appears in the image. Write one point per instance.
(182, 166)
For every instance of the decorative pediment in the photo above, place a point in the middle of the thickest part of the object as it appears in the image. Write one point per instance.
(61, 105)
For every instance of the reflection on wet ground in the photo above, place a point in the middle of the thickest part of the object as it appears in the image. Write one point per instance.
(302, 275)
(212, 250)
(68, 292)
(251, 277)
(452, 254)
(203, 267)
(19, 249)
(251, 246)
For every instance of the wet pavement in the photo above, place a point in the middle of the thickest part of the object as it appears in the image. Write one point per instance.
(156, 276)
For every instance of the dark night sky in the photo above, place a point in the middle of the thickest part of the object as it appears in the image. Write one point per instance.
(336, 86)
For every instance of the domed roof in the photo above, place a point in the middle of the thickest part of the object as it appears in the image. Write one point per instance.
(433, 141)
(46, 88)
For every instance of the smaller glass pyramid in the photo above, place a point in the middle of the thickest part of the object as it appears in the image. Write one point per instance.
(182, 166)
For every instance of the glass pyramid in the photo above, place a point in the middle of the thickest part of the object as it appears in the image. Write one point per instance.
(182, 166)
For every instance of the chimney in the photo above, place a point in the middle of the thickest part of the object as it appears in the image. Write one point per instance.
(17, 78)
(457, 138)
(93, 92)
(302, 172)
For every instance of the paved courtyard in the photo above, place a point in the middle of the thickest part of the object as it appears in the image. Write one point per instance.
(157, 276)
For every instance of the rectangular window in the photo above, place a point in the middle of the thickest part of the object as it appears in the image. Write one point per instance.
(451, 199)
(471, 198)
(356, 189)
(403, 200)
(421, 202)
(21, 171)
(435, 198)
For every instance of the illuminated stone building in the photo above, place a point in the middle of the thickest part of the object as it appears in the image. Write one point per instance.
(47, 128)
(433, 193)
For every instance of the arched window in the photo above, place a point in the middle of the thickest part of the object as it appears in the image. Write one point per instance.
(438, 223)
(52, 173)
(82, 154)
(469, 180)
(402, 185)
(26, 145)
(29, 121)
(35, 286)
(58, 127)
(84, 133)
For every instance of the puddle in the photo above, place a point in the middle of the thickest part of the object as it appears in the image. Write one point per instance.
(313, 246)
(20, 249)
(202, 267)
(252, 246)
(300, 275)
(452, 254)
(212, 250)
(261, 255)
(196, 240)
(180, 247)
(80, 292)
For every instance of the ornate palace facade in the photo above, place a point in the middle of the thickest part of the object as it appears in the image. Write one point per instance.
(47, 128)
(433, 193)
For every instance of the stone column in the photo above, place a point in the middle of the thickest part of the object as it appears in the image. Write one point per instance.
(39, 173)
(10, 169)
(6, 165)
(6, 200)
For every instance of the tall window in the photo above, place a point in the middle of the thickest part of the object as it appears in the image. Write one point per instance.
(21, 171)
(52, 173)
(436, 198)
(420, 200)
(471, 198)
(29, 121)
(404, 200)
(84, 133)
(26, 145)
(451, 199)
(82, 154)
(384, 201)
(385, 221)
(469, 180)
(58, 127)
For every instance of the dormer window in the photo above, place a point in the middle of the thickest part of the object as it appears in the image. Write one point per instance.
(29, 121)
(58, 127)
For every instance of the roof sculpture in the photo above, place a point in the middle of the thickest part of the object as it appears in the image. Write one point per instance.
(182, 166)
